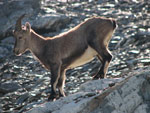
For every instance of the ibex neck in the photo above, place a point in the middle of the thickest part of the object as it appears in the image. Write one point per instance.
(36, 43)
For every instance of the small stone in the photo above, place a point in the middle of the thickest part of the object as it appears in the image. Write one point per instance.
(134, 52)
(131, 63)
(22, 98)
(145, 61)
(9, 87)
(100, 1)
(7, 76)
(111, 84)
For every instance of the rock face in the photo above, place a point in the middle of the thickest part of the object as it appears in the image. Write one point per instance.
(127, 97)
(131, 95)
(12, 9)
(50, 22)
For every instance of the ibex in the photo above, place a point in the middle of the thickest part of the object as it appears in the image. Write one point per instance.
(67, 50)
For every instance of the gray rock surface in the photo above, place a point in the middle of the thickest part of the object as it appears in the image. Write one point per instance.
(131, 95)
(50, 22)
(11, 9)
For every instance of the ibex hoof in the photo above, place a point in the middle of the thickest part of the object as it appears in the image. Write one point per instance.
(53, 97)
(62, 95)
(96, 77)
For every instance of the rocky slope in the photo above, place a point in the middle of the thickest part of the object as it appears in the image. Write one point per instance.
(25, 83)
(129, 96)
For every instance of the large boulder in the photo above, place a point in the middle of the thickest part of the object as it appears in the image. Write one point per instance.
(131, 95)
(41, 20)
(11, 10)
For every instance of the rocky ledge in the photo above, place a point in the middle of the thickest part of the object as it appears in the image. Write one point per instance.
(131, 95)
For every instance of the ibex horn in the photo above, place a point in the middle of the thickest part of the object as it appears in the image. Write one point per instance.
(18, 23)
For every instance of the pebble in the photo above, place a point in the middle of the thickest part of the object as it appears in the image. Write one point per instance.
(22, 98)
(135, 52)
(7, 76)
(8, 87)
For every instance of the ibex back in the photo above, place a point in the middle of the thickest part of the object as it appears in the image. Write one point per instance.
(68, 50)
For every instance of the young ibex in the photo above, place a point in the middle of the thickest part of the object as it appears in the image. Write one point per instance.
(68, 50)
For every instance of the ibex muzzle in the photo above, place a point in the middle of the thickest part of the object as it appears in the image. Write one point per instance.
(68, 50)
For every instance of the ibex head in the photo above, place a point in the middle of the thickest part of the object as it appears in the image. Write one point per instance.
(21, 34)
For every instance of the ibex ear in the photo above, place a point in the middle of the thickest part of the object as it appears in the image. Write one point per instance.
(28, 27)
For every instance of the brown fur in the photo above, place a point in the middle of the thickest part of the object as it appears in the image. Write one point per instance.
(64, 51)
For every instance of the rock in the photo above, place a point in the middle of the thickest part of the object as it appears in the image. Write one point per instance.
(134, 52)
(3, 51)
(145, 61)
(7, 76)
(130, 95)
(50, 22)
(8, 40)
(129, 55)
(131, 63)
(22, 98)
(36, 15)
(6, 46)
(141, 38)
(100, 1)
(98, 85)
(143, 108)
(124, 97)
(11, 9)
(9, 87)
(73, 102)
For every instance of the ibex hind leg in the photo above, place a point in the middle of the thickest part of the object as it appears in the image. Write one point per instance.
(105, 60)
(105, 57)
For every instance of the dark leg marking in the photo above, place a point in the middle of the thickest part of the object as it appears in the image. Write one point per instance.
(55, 74)
(61, 83)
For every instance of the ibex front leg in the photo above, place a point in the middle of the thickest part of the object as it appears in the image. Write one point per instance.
(55, 74)
(61, 83)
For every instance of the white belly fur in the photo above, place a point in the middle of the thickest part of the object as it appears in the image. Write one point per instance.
(87, 56)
